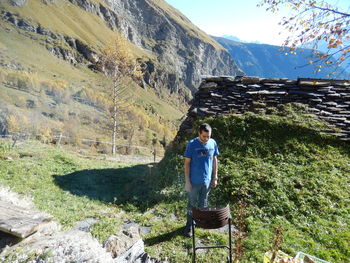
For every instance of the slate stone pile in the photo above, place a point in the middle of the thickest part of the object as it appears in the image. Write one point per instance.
(329, 100)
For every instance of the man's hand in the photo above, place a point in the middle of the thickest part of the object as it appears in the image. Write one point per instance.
(214, 182)
(188, 187)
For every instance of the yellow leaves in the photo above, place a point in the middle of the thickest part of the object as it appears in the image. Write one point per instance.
(116, 60)
(12, 124)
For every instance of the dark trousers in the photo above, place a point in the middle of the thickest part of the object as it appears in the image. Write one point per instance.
(198, 197)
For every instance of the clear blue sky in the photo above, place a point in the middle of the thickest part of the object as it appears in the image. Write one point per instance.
(240, 18)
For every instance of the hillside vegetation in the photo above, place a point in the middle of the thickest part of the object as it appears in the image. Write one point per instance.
(43, 94)
(287, 174)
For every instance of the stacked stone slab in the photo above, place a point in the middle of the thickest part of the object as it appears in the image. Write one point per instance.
(328, 99)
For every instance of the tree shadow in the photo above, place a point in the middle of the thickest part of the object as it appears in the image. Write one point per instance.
(128, 185)
(164, 237)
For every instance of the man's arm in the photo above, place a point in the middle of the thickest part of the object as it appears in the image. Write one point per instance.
(188, 186)
(214, 179)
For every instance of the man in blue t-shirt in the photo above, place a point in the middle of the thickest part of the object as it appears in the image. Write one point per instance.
(201, 171)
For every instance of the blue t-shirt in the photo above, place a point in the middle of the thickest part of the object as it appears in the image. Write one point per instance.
(201, 166)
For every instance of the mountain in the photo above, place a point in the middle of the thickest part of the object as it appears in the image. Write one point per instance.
(234, 38)
(48, 81)
(269, 61)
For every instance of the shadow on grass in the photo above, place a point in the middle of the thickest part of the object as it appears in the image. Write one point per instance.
(122, 186)
(164, 237)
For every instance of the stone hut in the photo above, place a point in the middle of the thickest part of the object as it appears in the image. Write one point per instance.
(327, 99)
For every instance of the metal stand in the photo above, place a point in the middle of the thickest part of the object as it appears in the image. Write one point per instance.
(229, 247)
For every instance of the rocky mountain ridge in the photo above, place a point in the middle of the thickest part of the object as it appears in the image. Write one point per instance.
(186, 55)
(181, 56)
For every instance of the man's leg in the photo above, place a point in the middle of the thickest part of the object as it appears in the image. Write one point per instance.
(192, 201)
(203, 196)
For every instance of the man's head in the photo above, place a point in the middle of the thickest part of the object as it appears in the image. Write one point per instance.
(204, 132)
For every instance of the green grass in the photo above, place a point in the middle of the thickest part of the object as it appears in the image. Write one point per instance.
(68, 187)
(72, 189)
(287, 173)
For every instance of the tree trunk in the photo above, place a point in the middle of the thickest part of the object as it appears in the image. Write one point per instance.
(114, 117)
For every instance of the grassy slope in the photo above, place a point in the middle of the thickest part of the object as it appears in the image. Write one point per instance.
(65, 18)
(288, 174)
(67, 186)
(43, 66)
(281, 166)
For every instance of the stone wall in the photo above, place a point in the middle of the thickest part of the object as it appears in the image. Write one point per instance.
(328, 99)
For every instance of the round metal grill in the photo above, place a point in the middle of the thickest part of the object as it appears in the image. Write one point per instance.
(211, 217)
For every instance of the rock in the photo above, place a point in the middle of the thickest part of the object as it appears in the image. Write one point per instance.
(145, 258)
(85, 224)
(132, 254)
(208, 85)
(119, 244)
(18, 2)
(250, 80)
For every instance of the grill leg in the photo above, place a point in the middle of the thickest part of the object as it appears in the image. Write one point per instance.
(193, 244)
(230, 238)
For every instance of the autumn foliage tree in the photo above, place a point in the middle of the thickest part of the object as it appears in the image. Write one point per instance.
(316, 22)
(118, 64)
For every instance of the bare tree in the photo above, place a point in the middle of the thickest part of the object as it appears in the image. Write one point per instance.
(316, 22)
(118, 64)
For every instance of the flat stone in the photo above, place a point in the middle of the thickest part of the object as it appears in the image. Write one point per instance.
(215, 95)
(334, 95)
(274, 85)
(267, 92)
(316, 100)
(314, 110)
(250, 80)
(314, 82)
(330, 103)
(325, 113)
(278, 81)
(208, 85)
(254, 86)
(305, 93)
(19, 221)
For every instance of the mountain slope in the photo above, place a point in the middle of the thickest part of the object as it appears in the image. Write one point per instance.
(48, 50)
(270, 61)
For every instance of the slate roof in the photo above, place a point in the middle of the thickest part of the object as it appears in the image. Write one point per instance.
(329, 99)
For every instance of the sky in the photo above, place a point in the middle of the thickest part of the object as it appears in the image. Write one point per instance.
(240, 18)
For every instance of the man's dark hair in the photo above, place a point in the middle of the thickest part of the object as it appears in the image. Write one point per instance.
(204, 127)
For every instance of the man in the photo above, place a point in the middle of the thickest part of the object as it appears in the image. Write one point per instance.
(201, 171)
